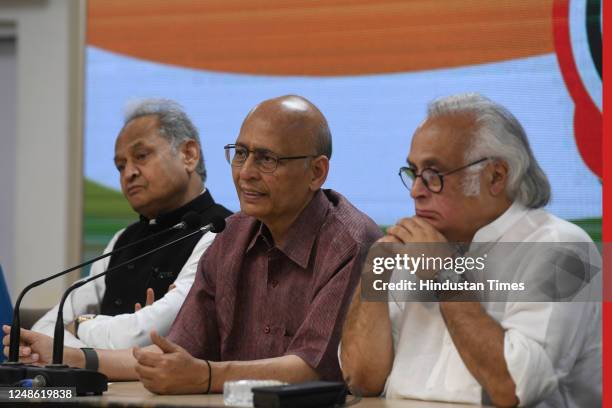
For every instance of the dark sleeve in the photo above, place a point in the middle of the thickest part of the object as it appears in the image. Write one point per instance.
(316, 340)
(195, 327)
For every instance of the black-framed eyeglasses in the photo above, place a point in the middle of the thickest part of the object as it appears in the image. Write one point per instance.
(432, 179)
(265, 160)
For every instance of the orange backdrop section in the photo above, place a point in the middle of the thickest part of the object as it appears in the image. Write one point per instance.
(322, 37)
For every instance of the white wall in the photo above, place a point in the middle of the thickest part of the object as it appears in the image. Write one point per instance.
(8, 106)
(47, 169)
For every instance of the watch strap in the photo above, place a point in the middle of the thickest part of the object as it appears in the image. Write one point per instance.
(91, 358)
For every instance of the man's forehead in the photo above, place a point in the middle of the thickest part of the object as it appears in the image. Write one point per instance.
(440, 141)
(140, 126)
(132, 137)
(268, 135)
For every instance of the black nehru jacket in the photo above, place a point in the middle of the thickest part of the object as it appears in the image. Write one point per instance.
(128, 285)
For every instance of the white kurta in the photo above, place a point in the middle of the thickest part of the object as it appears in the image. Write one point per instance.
(552, 350)
(124, 330)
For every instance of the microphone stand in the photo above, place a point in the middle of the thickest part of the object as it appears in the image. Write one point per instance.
(86, 382)
(58, 337)
(13, 358)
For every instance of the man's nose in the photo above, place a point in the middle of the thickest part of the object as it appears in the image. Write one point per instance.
(249, 168)
(418, 189)
(130, 171)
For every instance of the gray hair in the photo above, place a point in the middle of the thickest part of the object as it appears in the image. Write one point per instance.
(323, 139)
(499, 135)
(174, 124)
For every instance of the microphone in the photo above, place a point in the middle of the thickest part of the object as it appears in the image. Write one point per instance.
(86, 381)
(188, 221)
(217, 225)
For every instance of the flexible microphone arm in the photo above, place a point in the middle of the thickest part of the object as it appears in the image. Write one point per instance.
(187, 220)
(58, 339)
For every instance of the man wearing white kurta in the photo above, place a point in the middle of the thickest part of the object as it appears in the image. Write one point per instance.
(474, 179)
(161, 169)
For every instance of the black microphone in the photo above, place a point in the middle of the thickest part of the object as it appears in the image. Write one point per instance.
(85, 381)
(88, 381)
(217, 225)
(189, 221)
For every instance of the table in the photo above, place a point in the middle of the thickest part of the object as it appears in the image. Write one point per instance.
(133, 394)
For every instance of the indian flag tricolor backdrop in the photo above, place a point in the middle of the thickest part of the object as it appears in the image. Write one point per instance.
(371, 67)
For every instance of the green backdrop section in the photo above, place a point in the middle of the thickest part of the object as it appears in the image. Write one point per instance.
(592, 226)
(107, 211)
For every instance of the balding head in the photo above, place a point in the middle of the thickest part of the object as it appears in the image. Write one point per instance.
(284, 146)
(294, 117)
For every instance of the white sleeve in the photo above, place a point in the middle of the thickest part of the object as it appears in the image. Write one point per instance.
(132, 329)
(83, 300)
(544, 340)
(528, 363)
(542, 343)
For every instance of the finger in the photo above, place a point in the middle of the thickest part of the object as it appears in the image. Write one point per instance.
(150, 297)
(25, 351)
(137, 352)
(8, 343)
(33, 359)
(410, 224)
(149, 359)
(424, 224)
(29, 337)
(137, 307)
(23, 357)
(389, 239)
(6, 329)
(400, 233)
(145, 372)
(429, 230)
(164, 344)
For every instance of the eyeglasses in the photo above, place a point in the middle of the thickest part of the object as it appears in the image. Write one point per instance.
(432, 179)
(265, 160)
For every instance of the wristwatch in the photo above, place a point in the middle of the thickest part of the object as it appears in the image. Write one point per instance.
(449, 275)
(80, 319)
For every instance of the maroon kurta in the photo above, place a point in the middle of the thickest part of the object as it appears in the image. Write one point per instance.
(253, 300)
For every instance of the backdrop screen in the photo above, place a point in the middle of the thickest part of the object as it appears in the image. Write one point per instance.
(370, 66)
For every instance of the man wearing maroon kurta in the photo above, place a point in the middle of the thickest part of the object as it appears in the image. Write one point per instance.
(270, 296)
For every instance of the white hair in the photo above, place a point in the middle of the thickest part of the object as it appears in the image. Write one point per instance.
(498, 135)
(174, 124)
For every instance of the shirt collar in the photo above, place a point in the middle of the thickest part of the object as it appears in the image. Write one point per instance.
(302, 234)
(496, 229)
(198, 204)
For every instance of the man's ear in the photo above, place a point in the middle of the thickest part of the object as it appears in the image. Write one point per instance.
(498, 178)
(320, 168)
(191, 154)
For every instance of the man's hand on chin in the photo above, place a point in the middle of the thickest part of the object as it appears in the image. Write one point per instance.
(420, 238)
(173, 371)
(415, 230)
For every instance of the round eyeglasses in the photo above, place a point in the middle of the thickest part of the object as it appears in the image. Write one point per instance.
(432, 179)
(265, 160)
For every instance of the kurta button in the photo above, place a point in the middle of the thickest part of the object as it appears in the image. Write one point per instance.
(130, 266)
(274, 283)
(118, 302)
(267, 329)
